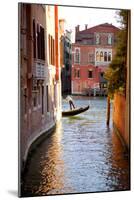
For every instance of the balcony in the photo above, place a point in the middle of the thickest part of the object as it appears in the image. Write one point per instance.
(98, 63)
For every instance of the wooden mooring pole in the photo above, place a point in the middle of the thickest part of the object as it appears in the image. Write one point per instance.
(108, 110)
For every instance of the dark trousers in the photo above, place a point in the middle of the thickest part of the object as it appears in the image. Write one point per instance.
(71, 104)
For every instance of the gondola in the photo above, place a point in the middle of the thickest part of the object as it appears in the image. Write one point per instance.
(74, 111)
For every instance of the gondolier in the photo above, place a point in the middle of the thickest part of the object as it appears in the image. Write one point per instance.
(71, 103)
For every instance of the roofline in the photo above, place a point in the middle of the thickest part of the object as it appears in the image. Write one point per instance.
(99, 25)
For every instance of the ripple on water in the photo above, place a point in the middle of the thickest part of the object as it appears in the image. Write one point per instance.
(83, 155)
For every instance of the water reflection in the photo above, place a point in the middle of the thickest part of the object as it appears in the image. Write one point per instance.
(83, 155)
(119, 170)
(46, 168)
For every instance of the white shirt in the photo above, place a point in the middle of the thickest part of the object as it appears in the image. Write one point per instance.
(68, 98)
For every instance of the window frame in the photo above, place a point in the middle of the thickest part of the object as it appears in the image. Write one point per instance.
(109, 39)
(90, 73)
(105, 56)
(90, 58)
(109, 57)
(97, 39)
(77, 73)
(77, 59)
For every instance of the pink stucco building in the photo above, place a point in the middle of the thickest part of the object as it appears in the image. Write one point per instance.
(92, 51)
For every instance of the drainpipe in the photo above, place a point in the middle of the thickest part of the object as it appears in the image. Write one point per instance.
(56, 43)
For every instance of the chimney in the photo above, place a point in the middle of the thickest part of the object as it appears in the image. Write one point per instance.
(77, 28)
(86, 26)
(76, 31)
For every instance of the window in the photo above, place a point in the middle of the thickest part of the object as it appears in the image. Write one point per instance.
(49, 42)
(109, 56)
(91, 58)
(34, 39)
(42, 100)
(51, 50)
(47, 96)
(97, 56)
(109, 39)
(39, 95)
(35, 97)
(77, 56)
(90, 73)
(42, 56)
(97, 39)
(105, 56)
(77, 73)
(101, 56)
(40, 42)
(51, 38)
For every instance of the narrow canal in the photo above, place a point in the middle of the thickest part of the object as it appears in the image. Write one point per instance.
(82, 155)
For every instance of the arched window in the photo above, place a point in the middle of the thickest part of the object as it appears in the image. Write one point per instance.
(97, 56)
(109, 39)
(76, 73)
(77, 56)
(101, 56)
(105, 56)
(109, 56)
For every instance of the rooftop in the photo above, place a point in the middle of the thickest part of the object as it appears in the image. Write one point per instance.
(106, 27)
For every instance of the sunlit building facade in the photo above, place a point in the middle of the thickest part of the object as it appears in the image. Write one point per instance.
(40, 83)
(93, 51)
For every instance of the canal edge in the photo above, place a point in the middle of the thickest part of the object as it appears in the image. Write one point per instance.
(32, 147)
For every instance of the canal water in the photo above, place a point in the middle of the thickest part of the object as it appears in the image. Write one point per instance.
(82, 155)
